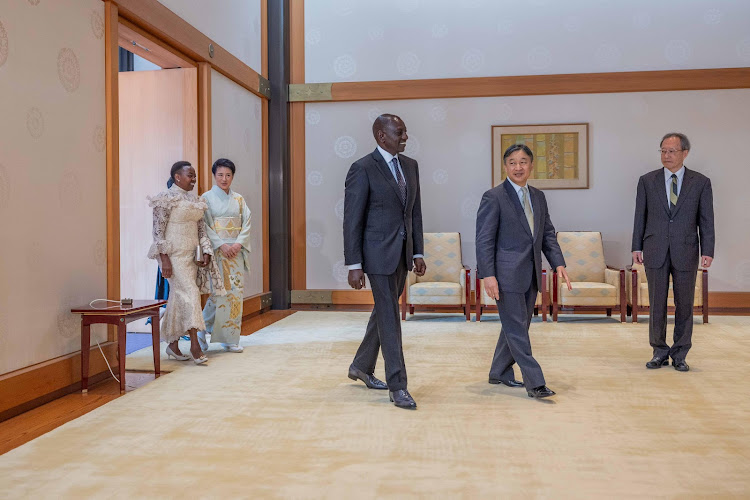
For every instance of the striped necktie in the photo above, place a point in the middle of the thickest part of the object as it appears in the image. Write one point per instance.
(673, 193)
(399, 180)
(527, 208)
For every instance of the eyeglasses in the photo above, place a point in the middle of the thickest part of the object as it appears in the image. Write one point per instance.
(670, 152)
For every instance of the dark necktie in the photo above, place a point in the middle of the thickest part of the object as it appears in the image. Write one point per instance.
(673, 193)
(399, 180)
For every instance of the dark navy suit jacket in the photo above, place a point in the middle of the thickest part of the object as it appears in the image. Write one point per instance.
(375, 219)
(506, 249)
(656, 230)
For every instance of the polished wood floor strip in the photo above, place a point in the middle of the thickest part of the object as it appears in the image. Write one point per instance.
(32, 424)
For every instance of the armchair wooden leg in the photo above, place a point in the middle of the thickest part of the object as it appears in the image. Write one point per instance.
(554, 297)
(403, 304)
(545, 296)
(704, 277)
(411, 309)
(536, 311)
(477, 297)
(634, 294)
(467, 311)
(622, 296)
(609, 312)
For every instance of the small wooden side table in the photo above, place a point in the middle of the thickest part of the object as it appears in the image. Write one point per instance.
(119, 315)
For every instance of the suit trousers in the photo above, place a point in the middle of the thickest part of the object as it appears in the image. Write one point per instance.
(384, 328)
(683, 286)
(513, 345)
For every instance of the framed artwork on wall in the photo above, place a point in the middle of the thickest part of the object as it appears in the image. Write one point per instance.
(561, 159)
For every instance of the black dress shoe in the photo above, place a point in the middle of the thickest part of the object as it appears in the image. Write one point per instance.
(402, 399)
(369, 379)
(509, 383)
(658, 362)
(680, 366)
(540, 392)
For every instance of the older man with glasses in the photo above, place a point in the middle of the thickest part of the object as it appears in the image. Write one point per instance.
(674, 225)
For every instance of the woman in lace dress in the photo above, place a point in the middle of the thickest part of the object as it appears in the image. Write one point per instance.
(178, 230)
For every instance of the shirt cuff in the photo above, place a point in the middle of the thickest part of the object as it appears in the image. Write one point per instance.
(355, 266)
(417, 256)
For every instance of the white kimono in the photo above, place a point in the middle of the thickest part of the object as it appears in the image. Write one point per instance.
(227, 222)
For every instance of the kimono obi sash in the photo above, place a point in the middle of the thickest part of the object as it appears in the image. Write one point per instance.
(228, 228)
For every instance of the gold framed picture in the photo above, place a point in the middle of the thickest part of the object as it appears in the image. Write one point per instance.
(561, 159)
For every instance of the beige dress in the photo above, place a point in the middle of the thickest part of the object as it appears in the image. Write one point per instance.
(178, 229)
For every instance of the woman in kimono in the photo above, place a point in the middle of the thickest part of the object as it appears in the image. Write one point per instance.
(228, 228)
(178, 231)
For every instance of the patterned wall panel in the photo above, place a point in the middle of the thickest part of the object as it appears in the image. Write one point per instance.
(233, 24)
(350, 40)
(52, 176)
(236, 133)
(451, 139)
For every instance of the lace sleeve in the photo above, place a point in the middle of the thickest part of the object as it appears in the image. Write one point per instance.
(160, 244)
(203, 238)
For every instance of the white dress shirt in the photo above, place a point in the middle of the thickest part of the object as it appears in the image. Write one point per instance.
(388, 157)
(668, 181)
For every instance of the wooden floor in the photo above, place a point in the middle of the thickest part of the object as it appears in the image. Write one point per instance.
(32, 424)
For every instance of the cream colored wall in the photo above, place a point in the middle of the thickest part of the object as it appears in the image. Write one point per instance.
(52, 175)
(347, 40)
(233, 24)
(158, 126)
(351, 40)
(451, 140)
(236, 134)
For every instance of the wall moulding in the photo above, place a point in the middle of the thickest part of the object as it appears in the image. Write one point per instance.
(582, 83)
(159, 21)
(33, 386)
(256, 304)
(309, 92)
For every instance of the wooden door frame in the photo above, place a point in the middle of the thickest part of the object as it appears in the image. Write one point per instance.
(158, 24)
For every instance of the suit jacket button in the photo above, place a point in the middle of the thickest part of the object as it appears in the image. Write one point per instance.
(671, 221)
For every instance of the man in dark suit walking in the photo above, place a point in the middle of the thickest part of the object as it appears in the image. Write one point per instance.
(513, 229)
(383, 237)
(674, 224)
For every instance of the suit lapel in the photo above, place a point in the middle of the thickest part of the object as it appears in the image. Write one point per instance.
(511, 191)
(383, 168)
(687, 185)
(411, 181)
(660, 188)
(537, 212)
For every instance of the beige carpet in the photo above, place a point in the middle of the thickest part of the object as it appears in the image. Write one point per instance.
(282, 420)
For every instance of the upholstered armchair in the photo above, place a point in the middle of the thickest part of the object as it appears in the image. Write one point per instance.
(595, 285)
(484, 301)
(637, 288)
(446, 283)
